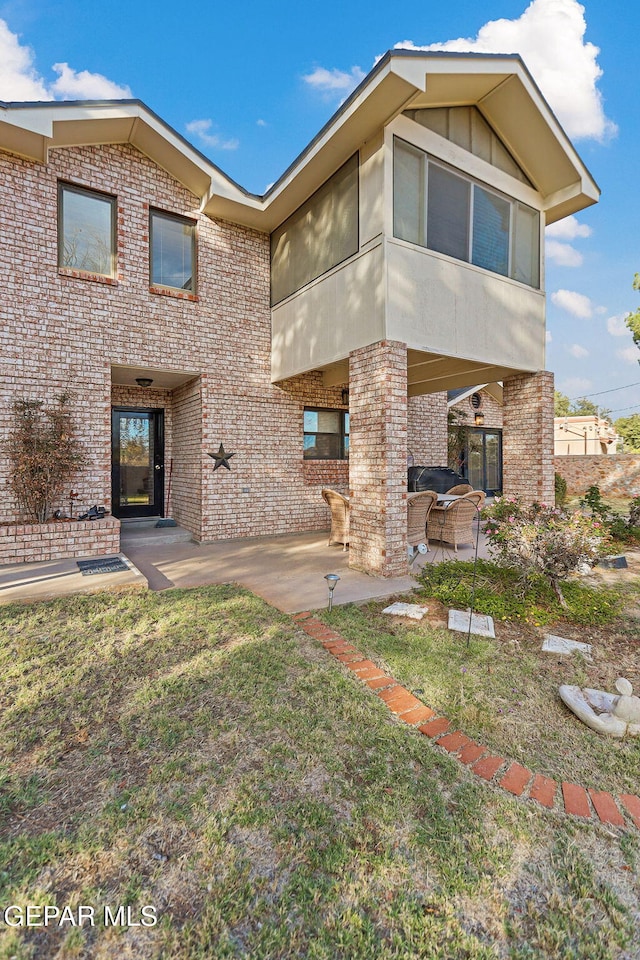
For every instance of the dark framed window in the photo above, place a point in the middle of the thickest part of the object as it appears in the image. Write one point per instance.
(173, 251)
(443, 210)
(86, 230)
(326, 434)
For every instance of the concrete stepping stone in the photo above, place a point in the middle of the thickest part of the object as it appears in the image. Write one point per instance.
(481, 624)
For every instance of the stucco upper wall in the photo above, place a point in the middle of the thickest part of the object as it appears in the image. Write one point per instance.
(444, 306)
(332, 316)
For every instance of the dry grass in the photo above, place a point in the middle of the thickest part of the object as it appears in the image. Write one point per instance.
(192, 750)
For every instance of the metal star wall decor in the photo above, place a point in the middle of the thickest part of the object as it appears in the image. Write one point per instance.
(221, 458)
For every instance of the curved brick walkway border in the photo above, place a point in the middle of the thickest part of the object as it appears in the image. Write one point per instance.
(508, 775)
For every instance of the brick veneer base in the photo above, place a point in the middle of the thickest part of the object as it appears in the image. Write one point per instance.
(32, 542)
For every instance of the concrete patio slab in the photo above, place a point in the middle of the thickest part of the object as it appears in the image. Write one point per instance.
(57, 578)
(288, 572)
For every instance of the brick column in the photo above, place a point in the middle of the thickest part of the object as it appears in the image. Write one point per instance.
(527, 439)
(378, 458)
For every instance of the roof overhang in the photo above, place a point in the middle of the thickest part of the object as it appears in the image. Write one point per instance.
(32, 129)
(499, 86)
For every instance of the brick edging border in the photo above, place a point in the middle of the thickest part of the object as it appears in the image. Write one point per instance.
(510, 776)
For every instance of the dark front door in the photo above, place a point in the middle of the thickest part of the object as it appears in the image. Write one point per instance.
(137, 471)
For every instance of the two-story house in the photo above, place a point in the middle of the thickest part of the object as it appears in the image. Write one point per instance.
(312, 331)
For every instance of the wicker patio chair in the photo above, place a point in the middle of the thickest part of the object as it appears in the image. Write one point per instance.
(419, 507)
(339, 507)
(459, 490)
(477, 497)
(453, 523)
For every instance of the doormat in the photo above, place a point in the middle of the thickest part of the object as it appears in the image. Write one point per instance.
(101, 565)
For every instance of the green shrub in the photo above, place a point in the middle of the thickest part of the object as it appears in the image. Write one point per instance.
(560, 490)
(501, 594)
(538, 539)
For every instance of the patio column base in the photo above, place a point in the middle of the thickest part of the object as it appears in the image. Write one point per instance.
(378, 458)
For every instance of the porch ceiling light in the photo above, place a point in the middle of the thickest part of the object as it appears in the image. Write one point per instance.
(478, 419)
(332, 579)
(144, 381)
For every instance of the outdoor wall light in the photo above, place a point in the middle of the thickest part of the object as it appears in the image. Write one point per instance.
(478, 419)
(345, 397)
(144, 381)
(332, 579)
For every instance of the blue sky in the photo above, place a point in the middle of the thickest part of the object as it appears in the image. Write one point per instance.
(251, 83)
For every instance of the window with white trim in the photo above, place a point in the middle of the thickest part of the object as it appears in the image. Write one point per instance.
(439, 208)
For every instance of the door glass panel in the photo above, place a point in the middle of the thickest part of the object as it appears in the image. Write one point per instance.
(474, 460)
(492, 454)
(136, 460)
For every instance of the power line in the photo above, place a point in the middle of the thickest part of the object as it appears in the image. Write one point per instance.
(634, 406)
(600, 392)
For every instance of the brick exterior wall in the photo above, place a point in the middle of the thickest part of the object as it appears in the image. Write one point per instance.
(528, 437)
(617, 475)
(427, 429)
(60, 329)
(24, 543)
(492, 410)
(378, 464)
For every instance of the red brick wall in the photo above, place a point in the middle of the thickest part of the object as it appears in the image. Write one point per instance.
(427, 429)
(378, 464)
(528, 437)
(58, 329)
(492, 410)
(617, 475)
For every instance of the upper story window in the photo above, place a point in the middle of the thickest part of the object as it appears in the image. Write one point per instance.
(173, 251)
(86, 230)
(326, 434)
(318, 236)
(445, 211)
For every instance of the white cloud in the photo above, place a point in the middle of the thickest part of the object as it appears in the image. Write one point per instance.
(20, 80)
(577, 351)
(568, 229)
(549, 36)
(574, 303)
(262, 123)
(201, 128)
(575, 386)
(334, 81)
(629, 354)
(82, 85)
(548, 336)
(617, 327)
(563, 254)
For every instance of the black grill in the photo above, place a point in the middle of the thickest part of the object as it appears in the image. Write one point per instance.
(439, 479)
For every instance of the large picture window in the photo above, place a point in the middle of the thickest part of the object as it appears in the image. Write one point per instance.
(437, 207)
(173, 251)
(326, 434)
(86, 230)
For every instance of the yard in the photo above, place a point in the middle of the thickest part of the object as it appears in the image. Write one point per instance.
(194, 757)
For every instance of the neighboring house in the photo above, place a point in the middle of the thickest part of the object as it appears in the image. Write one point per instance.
(400, 256)
(475, 435)
(581, 436)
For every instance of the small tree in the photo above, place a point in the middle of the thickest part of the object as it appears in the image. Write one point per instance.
(543, 539)
(44, 453)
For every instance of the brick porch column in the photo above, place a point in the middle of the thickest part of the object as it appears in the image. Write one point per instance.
(378, 458)
(527, 439)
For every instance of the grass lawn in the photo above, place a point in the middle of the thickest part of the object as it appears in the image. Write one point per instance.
(194, 752)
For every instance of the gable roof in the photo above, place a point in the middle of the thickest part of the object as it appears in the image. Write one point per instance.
(499, 86)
